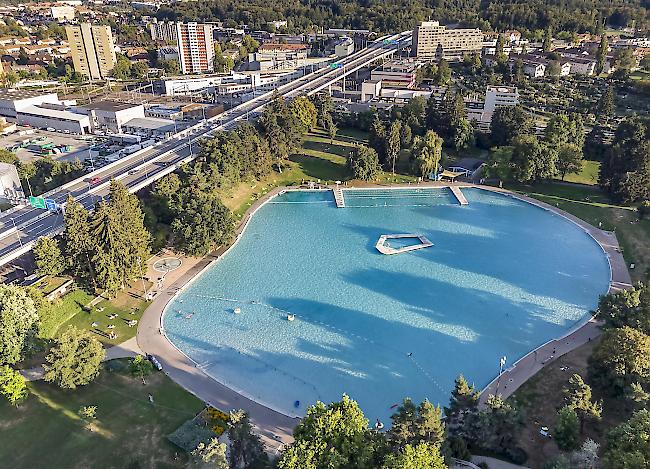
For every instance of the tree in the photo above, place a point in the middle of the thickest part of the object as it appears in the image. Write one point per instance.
(12, 385)
(364, 163)
(497, 425)
(330, 127)
(428, 154)
(377, 138)
(140, 367)
(139, 70)
(508, 123)
(413, 425)
(77, 241)
(213, 454)
(578, 398)
(305, 112)
(587, 456)
(281, 129)
(18, 323)
(601, 54)
(202, 224)
(335, 436)
(569, 160)
(532, 160)
(629, 307)
(48, 257)
(120, 239)
(170, 67)
(74, 360)
(443, 73)
(625, 172)
(567, 428)
(627, 444)
(406, 135)
(122, 68)
(623, 59)
(463, 402)
(548, 40)
(553, 70)
(393, 144)
(500, 55)
(606, 102)
(644, 209)
(246, 448)
(621, 358)
(23, 58)
(422, 456)
(88, 413)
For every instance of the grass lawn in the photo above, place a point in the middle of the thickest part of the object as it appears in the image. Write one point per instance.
(541, 397)
(316, 159)
(46, 431)
(48, 284)
(128, 304)
(588, 175)
(593, 206)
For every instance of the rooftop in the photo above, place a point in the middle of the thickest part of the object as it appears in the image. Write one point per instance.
(53, 113)
(22, 94)
(112, 106)
(273, 46)
(150, 123)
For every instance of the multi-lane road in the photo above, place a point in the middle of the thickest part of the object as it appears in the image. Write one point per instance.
(21, 227)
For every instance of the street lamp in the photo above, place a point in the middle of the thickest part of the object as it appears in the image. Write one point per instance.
(20, 241)
(92, 163)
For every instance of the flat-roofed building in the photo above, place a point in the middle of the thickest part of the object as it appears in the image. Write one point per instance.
(110, 115)
(12, 101)
(434, 41)
(195, 47)
(62, 12)
(272, 56)
(59, 119)
(92, 49)
(480, 111)
(396, 74)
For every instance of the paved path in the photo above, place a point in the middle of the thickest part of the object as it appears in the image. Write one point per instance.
(494, 463)
(126, 349)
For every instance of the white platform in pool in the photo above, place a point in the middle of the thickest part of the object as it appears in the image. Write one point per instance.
(383, 247)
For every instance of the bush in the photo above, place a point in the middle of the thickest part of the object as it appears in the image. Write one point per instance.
(517, 455)
(567, 429)
(644, 209)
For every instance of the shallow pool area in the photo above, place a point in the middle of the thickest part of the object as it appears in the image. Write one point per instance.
(502, 277)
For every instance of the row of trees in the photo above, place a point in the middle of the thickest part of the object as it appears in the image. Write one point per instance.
(189, 201)
(375, 15)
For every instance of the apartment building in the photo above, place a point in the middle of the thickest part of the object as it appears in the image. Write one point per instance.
(433, 41)
(92, 49)
(195, 47)
(164, 31)
(480, 111)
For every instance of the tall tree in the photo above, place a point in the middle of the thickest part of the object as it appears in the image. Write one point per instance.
(393, 144)
(462, 403)
(601, 54)
(428, 154)
(422, 456)
(621, 358)
(578, 398)
(331, 128)
(48, 257)
(77, 241)
(74, 360)
(606, 102)
(629, 307)
(547, 44)
(305, 112)
(211, 454)
(443, 73)
(202, 223)
(627, 444)
(509, 122)
(497, 425)
(625, 172)
(377, 138)
(246, 448)
(569, 160)
(364, 163)
(532, 160)
(335, 436)
(18, 323)
(567, 428)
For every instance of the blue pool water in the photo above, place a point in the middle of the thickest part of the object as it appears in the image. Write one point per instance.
(502, 277)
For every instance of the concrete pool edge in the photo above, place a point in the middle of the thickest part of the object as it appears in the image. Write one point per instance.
(276, 427)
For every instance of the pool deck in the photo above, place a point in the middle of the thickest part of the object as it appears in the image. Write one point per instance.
(275, 428)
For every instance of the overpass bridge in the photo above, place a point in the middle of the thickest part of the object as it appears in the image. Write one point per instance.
(20, 227)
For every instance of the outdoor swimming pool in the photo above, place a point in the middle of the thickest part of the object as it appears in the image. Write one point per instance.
(502, 277)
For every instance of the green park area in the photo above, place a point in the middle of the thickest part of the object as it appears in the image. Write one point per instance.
(47, 431)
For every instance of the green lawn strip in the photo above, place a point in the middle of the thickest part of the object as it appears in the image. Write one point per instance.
(63, 310)
(127, 306)
(48, 284)
(588, 174)
(46, 431)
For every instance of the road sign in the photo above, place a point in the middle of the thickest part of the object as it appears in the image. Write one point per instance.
(51, 205)
(37, 202)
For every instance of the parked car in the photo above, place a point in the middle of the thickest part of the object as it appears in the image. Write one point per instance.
(155, 362)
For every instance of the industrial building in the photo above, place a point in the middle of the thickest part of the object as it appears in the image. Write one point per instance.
(54, 117)
(433, 41)
(12, 101)
(110, 116)
(92, 49)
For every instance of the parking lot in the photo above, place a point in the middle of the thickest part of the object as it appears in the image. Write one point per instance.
(32, 144)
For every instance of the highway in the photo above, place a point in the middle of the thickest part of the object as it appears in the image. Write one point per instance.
(22, 226)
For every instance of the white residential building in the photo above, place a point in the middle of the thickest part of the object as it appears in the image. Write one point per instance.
(433, 41)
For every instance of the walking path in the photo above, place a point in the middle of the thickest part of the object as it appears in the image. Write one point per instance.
(275, 428)
(494, 463)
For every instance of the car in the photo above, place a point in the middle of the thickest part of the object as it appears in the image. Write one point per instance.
(155, 362)
(132, 172)
(95, 180)
(51, 129)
